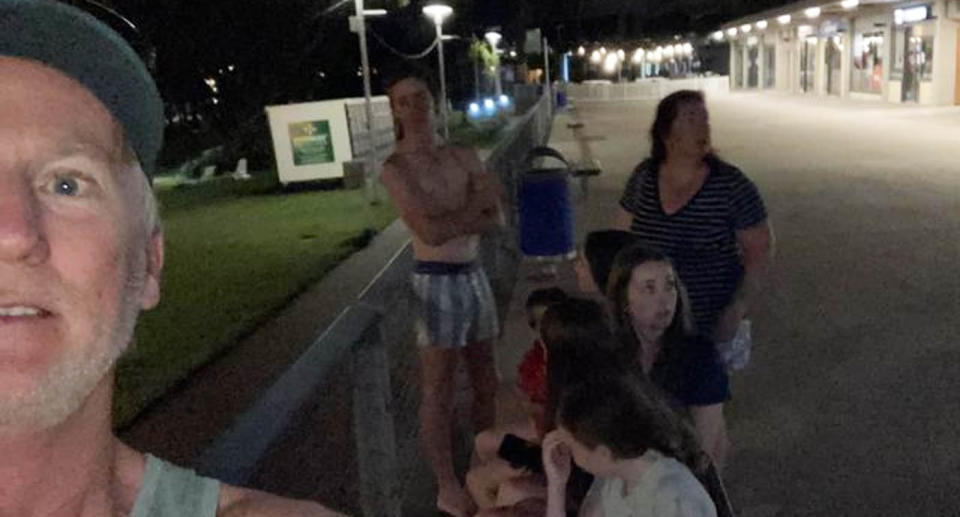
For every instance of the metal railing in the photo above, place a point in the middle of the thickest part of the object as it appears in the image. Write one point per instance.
(646, 89)
(372, 338)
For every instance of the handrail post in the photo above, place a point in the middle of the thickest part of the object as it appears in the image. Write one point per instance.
(373, 427)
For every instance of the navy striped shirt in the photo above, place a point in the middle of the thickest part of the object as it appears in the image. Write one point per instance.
(701, 237)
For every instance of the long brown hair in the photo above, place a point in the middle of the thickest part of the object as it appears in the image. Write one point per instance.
(625, 413)
(667, 112)
(678, 332)
(580, 342)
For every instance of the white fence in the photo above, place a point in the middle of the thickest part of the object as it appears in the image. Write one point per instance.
(645, 89)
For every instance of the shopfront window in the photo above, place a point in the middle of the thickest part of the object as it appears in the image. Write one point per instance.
(867, 70)
(808, 64)
(769, 66)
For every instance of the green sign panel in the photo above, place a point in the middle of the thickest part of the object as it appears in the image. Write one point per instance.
(311, 142)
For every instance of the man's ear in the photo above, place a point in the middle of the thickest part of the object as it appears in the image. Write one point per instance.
(151, 287)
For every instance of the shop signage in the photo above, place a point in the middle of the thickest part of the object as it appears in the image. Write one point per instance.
(911, 14)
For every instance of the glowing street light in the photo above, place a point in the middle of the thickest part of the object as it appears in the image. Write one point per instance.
(603, 51)
(493, 38)
(638, 56)
(621, 55)
(438, 12)
(581, 51)
(595, 57)
(610, 63)
(783, 19)
(718, 36)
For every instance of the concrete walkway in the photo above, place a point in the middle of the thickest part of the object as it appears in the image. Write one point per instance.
(850, 404)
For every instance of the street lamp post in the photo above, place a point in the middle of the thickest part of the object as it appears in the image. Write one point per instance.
(493, 38)
(438, 12)
(359, 25)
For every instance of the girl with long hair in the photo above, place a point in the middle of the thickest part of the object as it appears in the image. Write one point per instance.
(579, 344)
(618, 428)
(652, 321)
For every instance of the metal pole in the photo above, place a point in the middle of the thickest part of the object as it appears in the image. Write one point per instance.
(371, 169)
(443, 84)
(546, 76)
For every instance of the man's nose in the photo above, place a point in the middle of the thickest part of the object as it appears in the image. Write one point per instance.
(21, 238)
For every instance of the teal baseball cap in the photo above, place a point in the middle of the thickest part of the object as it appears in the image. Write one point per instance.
(85, 49)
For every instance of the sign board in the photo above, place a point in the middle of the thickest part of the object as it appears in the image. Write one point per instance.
(534, 42)
(311, 140)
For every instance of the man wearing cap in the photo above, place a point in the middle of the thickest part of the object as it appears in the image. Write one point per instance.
(81, 251)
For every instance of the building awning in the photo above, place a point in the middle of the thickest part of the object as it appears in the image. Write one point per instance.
(796, 11)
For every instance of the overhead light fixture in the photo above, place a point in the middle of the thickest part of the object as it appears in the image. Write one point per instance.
(718, 36)
(849, 4)
(621, 54)
(812, 12)
(595, 56)
(745, 28)
(752, 41)
(783, 19)
(610, 63)
(438, 12)
(638, 56)
(762, 24)
(374, 12)
(493, 38)
(732, 31)
(581, 51)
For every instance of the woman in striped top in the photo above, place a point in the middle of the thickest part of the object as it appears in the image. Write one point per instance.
(705, 214)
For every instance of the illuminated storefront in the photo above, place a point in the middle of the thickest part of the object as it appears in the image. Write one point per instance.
(863, 49)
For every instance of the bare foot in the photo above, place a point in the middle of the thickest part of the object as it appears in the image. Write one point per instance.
(455, 501)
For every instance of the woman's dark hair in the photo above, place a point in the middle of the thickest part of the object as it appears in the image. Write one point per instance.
(627, 414)
(667, 370)
(667, 112)
(579, 343)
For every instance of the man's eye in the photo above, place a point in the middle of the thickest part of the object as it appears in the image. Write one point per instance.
(67, 185)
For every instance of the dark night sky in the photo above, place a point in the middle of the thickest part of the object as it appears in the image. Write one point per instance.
(280, 44)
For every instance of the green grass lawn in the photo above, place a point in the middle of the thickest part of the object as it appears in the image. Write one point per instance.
(236, 252)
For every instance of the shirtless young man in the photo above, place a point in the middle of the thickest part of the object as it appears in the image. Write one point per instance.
(447, 199)
(81, 253)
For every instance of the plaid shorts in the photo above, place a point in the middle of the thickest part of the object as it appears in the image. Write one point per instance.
(456, 306)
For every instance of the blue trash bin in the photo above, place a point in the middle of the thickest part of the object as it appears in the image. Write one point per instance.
(546, 214)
